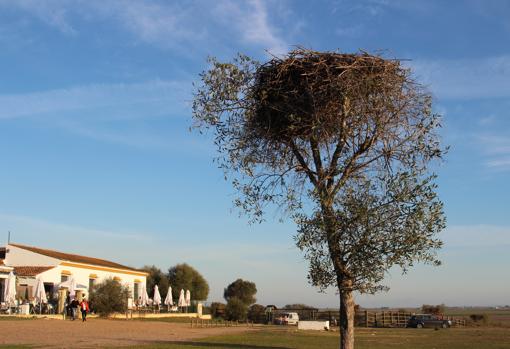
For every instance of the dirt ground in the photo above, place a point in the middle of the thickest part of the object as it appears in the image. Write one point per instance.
(99, 333)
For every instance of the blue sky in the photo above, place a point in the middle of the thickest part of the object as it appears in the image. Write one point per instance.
(96, 155)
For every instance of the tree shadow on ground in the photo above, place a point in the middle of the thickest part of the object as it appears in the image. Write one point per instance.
(217, 345)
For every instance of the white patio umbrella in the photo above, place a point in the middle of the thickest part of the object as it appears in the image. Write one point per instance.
(144, 297)
(10, 289)
(72, 288)
(169, 300)
(182, 300)
(157, 296)
(188, 298)
(40, 293)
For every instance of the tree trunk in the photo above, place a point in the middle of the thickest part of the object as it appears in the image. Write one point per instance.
(344, 280)
(346, 319)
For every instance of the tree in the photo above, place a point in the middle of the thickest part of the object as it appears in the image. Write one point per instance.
(342, 142)
(156, 277)
(257, 313)
(242, 290)
(109, 297)
(183, 276)
(236, 310)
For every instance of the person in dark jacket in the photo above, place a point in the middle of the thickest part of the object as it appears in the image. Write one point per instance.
(74, 308)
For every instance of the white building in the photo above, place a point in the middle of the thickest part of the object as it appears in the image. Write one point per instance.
(55, 268)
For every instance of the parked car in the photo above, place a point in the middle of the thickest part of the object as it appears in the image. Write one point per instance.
(428, 320)
(290, 318)
(287, 319)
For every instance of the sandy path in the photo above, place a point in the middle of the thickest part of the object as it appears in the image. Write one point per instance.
(99, 333)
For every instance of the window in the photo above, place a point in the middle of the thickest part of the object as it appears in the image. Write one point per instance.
(64, 278)
(2, 285)
(135, 290)
(92, 281)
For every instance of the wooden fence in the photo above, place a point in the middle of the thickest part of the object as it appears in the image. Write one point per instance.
(204, 323)
(381, 319)
(363, 318)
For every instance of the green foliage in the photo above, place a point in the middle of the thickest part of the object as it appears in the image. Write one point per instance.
(218, 310)
(433, 309)
(183, 276)
(109, 297)
(236, 310)
(375, 223)
(257, 314)
(242, 290)
(156, 277)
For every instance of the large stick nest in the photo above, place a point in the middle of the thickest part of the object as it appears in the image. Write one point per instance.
(311, 93)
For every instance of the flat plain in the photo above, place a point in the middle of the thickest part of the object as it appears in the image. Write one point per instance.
(152, 334)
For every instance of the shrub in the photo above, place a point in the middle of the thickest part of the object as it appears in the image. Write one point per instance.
(433, 309)
(480, 318)
(217, 310)
(257, 313)
(109, 297)
(236, 310)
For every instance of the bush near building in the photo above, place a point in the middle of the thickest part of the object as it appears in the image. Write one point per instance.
(109, 297)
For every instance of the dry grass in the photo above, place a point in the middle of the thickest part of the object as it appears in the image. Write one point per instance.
(148, 334)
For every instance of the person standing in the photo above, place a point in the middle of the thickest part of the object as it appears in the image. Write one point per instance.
(84, 307)
(74, 308)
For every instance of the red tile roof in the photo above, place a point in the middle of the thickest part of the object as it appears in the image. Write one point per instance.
(30, 270)
(74, 257)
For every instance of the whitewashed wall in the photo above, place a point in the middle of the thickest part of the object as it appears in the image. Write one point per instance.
(20, 257)
(80, 272)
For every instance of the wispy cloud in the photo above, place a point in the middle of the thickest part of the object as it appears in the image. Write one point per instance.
(466, 78)
(164, 24)
(51, 12)
(113, 113)
(251, 20)
(88, 97)
(497, 150)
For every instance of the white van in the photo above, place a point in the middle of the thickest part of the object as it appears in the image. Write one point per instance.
(290, 318)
